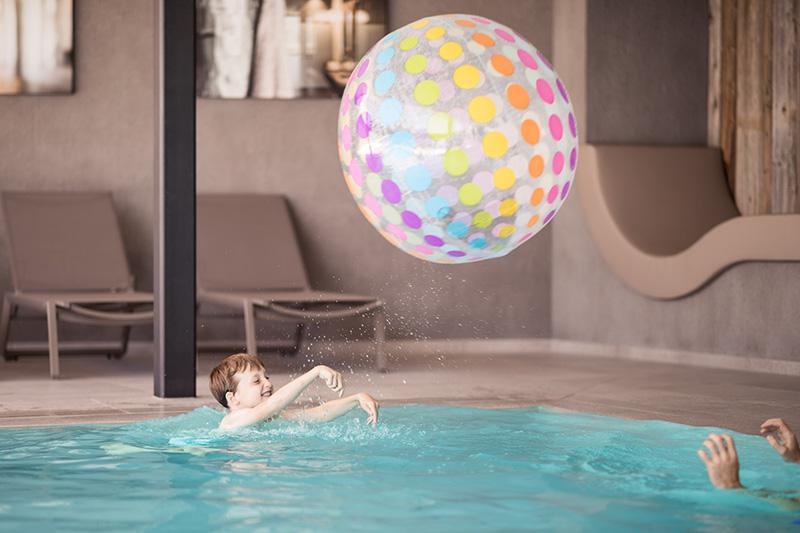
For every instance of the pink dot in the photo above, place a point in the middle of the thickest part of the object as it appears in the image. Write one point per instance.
(396, 231)
(373, 204)
(558, 163)
(446, 91)
(552, 194)
(504, 35)
(544, 60)
(545, 91)
(423, 249)
(527, 59)
(556, 129)
(572, 128)
(345, 105)
(481, 20)
(355, 172)
(346, 137)
(562, 90)
(362, 68)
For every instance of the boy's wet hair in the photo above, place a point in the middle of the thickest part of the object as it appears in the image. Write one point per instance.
(223, 378)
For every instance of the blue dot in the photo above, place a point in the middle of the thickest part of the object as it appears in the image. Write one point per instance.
(437, 207)
(385, 56)
(402, 138)
(391, 37)
(418, 178)
(390, 111)
(457, 229)
(480, 242)
(384, 81)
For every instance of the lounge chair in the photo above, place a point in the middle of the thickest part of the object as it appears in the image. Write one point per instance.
(68, 262)
(248, 260)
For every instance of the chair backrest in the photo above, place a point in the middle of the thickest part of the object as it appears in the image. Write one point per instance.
(247, 242)
(664, 198)
(64, 241)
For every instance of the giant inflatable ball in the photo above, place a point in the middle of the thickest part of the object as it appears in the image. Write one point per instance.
(457, 139)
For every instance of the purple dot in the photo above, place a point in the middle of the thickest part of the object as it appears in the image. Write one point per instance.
(573, 158)
(544, 60)
(562, 90)
(550, 215)
(433, 240)
(374, 162)
(456, 253)
(504, 35)
(361, 91)
(572, 128)
(564, 190)
(362, 68)
(527, 59)
(364, 125)
(558, 162)
(391, 191)
(411, 219)
(553, 194)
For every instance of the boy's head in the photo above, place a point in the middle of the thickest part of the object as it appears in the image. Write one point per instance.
(240, 380)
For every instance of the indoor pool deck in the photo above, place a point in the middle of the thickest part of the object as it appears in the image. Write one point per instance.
(94, 389)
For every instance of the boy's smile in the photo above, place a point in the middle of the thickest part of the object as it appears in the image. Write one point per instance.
(254, 386)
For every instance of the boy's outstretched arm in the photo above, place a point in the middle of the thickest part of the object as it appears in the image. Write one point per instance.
(276, 403)
(336, 408)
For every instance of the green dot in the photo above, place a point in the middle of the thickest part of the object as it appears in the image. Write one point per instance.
(416, 64)
(469, 194)
(374, 184)
(440, 126)
(456, 162)
(426, 92)
(482, 219)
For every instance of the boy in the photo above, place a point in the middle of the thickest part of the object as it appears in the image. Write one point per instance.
(240, 383)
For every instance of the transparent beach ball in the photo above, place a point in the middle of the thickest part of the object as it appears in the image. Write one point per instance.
(457, 139)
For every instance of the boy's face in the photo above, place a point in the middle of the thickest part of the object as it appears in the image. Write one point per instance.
(253, 388)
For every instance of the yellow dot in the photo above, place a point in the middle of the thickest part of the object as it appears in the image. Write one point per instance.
(408, 43)
(481, 109)
(508, 207)
(469, 194)
(440, 126)
(482, 219)
(495, 144)
(466, 76)
(506, 230)
(504, 178)
(434, 33)
(416, 64)
(426, 92)
(419, 24)
(450, 51)
(456, 162)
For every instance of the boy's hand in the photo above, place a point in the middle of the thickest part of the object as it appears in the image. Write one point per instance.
(782, 438)
(369, 406)
(332, 378)
(723, 465)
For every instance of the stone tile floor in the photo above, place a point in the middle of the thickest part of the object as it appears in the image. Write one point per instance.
(94, 389)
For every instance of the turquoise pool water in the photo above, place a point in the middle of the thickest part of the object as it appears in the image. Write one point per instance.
(424, 468)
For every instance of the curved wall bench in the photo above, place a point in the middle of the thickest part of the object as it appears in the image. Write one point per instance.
(665, 221)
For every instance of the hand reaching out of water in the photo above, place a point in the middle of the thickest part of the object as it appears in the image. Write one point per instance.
(781, 437)
(369, 406)
(723, 463)
(332, 379)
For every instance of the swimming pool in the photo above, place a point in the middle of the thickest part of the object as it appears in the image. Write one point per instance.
(424, 468)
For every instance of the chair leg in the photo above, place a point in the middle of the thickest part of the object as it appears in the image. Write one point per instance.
(52, 338)
(298, 338)
(5, 321)
(380, 338)
(250, 328)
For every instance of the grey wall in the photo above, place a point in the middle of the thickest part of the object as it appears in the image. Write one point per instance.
(289, 147)
(751, 309)
(101, 137)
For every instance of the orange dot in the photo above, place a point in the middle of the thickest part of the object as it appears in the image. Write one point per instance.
(465, 23)
(534, 219)
(502, 64)
(518, 96)
(537, 196)
(483, 39)
(536, 166)
(530, 131)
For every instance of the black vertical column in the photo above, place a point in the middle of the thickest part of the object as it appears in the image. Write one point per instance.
(174, 235)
